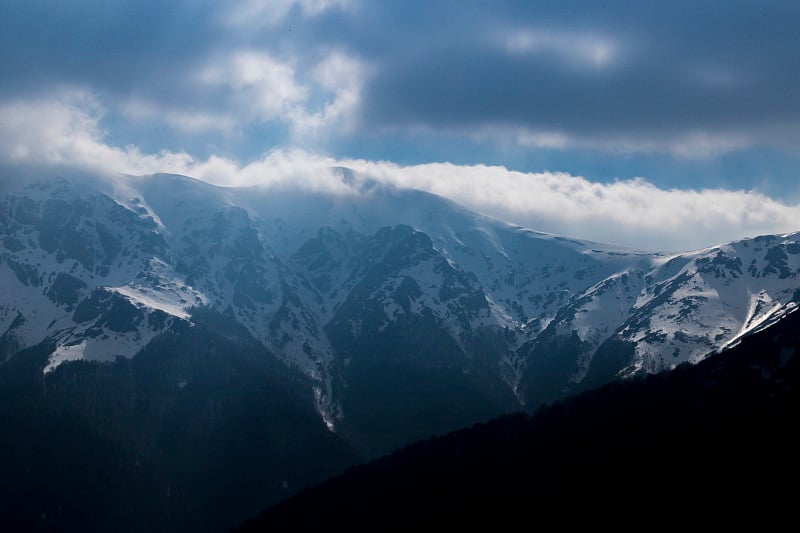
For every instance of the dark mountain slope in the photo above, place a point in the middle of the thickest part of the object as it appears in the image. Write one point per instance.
(198, 431)
(713, 444)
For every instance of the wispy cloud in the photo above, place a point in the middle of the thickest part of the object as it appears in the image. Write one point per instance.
(582, 49)
(253, 87)
(137, 109)
(266, 86)
(687, 145)
(271, 12)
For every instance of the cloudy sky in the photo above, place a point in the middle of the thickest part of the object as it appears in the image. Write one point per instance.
(654, 124)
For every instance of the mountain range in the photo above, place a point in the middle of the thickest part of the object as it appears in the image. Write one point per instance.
(148, 314)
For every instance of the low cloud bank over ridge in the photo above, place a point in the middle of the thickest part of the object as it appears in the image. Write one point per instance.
(64, 134)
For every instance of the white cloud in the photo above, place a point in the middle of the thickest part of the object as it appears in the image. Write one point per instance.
(251, 86)
(261, 88)
(633, 212)
(342, 77)
(65, 131)
(261, 84)
(256, 13)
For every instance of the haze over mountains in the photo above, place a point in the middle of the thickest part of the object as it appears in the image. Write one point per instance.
(157, 311)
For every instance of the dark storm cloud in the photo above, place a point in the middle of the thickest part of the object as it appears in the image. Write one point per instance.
(672, 67)
(113, 45)
(589, 71)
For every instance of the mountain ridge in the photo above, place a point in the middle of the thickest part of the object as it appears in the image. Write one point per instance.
(103, 269)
